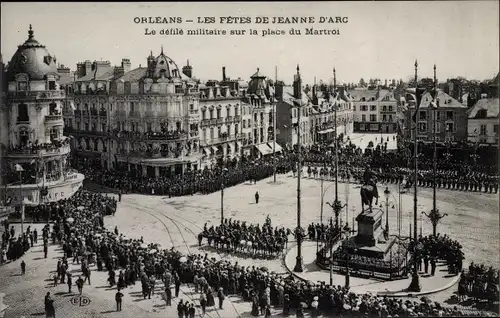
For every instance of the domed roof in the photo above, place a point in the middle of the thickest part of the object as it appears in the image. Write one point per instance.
(32, 58)
(163, 66)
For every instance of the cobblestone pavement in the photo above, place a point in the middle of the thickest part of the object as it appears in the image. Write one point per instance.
(175, 222)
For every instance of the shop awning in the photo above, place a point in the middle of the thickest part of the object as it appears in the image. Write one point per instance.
(214, 149)
(264, 149)
(277, 148)
(206, 151)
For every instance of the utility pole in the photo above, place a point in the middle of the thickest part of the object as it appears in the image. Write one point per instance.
(415, 279)
(298, 264)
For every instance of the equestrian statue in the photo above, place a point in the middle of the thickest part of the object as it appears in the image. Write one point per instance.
(368, 190)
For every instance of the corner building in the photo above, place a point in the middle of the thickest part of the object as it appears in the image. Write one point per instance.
(34, 152)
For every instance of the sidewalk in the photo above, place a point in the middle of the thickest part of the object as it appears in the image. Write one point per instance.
(396, 288)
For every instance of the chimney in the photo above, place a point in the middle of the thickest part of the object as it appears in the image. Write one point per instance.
(278, 90)
(297, 85)
(118, 71)
(224, 73)
(126, 65)
(80, 70)
(88, 67)
(341, 91)
(187, 70)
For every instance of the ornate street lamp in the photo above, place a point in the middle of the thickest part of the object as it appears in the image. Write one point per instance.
(387, 194)
(434, 216)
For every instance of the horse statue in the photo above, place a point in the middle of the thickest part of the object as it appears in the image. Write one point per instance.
(368, 191)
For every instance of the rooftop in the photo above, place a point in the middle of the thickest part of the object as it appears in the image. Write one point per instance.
(490, 105)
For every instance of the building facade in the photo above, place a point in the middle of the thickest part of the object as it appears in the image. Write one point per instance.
(291, 100)
(145, 121)
(375, 111)
(451, 118)
(34, 150)
(322, 118)
(482, 125)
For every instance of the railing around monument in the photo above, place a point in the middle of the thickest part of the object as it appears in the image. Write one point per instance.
(361, 269)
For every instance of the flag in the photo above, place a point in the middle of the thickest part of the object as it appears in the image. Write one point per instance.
(417, 97)
(19, 168)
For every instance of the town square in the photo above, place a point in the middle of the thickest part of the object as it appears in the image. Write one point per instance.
(138, 187)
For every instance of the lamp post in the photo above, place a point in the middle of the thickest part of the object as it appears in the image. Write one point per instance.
(223, 175)
(387, 194)
(298, 264)
(415, 279)
(274, 140)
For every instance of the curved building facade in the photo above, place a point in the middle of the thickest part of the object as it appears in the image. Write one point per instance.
(34, 152)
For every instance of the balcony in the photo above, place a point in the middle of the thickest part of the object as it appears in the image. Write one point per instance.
(222, 139)
(220, 121)
(53, 118)
(229, 119)
(37, 95)
(53, 149)
(205, 122)
(23, 120)
(193, 133)
(213, 121)
(134, 114)
(237, 118)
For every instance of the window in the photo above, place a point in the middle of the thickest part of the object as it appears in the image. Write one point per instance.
(22, 86)
(103, 127)
(24, 138)
(96, 144)
(218, 114)
(363, 117)
(482, 131)
(22, 112)
(52, 85)
(149, 127)
(495, 129)
(53, 109)
(373, 117)
(373, 108)
(86, 126)
(219, 132)
(384, 108)
(422, 115)
(244, 123)
(191, 107)
(438, 128)
(54, 134)
(212, 133)
(354, 108)
(203, 114)
(449, 127)
(236, 129)
(132, 106)
(384, 117)
(438, 115)
(94, 127)
(449, 115)
(390, 108)
(133, 126)
(211, 113)
(422, 127)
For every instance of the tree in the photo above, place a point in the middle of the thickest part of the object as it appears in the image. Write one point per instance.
(362, 83)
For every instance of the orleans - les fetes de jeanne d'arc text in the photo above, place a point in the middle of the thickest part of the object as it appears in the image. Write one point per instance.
(242, 25)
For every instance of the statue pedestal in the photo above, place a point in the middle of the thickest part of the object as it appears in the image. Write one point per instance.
(369, 227)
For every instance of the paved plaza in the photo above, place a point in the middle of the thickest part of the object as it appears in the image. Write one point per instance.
(175, 222)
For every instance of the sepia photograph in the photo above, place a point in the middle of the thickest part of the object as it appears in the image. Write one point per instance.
(249, 159)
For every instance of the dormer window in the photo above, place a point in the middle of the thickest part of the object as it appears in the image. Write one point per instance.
(52, 85)
(162, 62)
(22, 86)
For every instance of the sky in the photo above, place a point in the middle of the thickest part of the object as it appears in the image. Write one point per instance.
(380, 39)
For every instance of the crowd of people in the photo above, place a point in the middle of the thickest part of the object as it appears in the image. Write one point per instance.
(248, 239)
(84, 238)
(479, 283)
